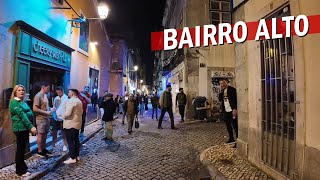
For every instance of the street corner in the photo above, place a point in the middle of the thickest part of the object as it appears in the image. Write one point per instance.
(223, 162)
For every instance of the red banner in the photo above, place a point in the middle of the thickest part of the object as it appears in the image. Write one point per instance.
(157, 38)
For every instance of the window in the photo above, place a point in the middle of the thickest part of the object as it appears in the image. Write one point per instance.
(220, 11)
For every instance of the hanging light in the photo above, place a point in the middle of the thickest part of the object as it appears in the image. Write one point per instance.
(103, 11)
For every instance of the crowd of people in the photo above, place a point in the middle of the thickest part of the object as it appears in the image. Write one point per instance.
(68, 114)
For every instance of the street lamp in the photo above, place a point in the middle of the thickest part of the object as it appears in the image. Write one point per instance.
(103, 11)
(135, 68)
(141, 81)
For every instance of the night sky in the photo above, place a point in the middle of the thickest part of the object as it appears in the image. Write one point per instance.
(135, 20)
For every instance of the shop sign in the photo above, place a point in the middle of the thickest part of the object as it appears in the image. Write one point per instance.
(45, 51)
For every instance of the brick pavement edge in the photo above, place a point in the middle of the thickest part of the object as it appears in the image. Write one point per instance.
(45, 171)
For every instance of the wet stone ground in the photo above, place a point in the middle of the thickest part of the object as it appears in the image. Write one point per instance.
(148, 153)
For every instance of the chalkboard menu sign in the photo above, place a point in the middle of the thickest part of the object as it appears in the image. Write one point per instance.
(6, 97)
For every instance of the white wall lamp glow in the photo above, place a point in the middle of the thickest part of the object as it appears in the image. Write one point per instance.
(103, 11)
(94, 43)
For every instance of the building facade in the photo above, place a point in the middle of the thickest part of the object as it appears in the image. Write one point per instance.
(40, 43)
(197, 70)
(278, 94)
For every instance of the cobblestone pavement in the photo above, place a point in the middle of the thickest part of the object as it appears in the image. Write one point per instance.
(149, 153)
(37, 164)
(233, 166)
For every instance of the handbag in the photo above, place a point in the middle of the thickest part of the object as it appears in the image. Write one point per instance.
(136, 123)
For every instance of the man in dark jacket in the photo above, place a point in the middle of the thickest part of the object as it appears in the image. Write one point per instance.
(165, 103)
(131, 108)
(155, 105)
(181, 101)
(228, 98)
(109, 109)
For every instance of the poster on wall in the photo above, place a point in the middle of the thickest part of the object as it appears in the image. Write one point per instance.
(84, 38)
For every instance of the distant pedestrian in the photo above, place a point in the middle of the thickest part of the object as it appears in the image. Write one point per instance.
(155, 105)
(100, 101)
(131, 107)
(21, 116)
(165, 103)
(146, 102)
(59, 105)
(141, 104)
(94, 100)
(116, 101)
(181, 101)
(126, 97)
(72, 123)
(109, 109)
(228, 98)
(85, 99)
(41, 108)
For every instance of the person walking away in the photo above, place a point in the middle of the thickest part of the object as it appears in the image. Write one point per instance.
(72, 124)
(109, 109)
(228, 99)
(141, 104)
(131, 107)
(59, 105)
(155, 105)
(94, 100)
(41, 108)
(116, 101)
(181, 101)
(146, 102)
(121, 101)
(100, 101)
(165, 103)
(21, 116)
(85, 99)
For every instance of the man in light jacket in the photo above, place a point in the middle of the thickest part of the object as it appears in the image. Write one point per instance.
(72, 124)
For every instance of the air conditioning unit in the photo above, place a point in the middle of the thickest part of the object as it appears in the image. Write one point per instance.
(60, 2)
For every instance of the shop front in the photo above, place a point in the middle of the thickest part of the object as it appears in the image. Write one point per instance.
(37, 58)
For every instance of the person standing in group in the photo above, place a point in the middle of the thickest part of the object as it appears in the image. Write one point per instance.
(94, 100)
(181, 101)
(59, 104)
(100, 101)
(21, 116)
(109, 109)
(155, 105)
(131, 107)
(41, 108)
(228, 98)
(165, 103)
(72, 123)
(85, 99)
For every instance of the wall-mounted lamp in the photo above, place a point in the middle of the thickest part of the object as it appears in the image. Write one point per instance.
(94, 43)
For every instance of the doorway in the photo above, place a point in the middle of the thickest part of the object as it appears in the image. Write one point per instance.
(278, 102)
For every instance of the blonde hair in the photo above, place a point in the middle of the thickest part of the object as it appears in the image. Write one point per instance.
(15, 89)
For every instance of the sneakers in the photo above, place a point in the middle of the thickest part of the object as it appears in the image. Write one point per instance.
(174, 128)
(64, 148)
(231, 141)
(235, 146)
(70, 161)
(160, 127)
(78, 159)
(48, 153)
(42, 154)
(26, 174)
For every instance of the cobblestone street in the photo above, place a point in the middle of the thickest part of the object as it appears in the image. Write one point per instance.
(149, 153)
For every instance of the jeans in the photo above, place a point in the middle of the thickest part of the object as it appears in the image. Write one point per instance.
(232, 124)
(163, 111)
(84, 116)
(73, 141)
(181, 111)
(141, 107)
(155, 109)
(22, 140)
